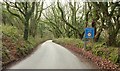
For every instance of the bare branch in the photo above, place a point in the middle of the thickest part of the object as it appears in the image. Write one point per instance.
(8, 6)
(48, 7)
(62, 14)
(41, 9)
(19, 9)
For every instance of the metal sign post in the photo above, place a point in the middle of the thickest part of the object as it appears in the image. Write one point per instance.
(89, 33)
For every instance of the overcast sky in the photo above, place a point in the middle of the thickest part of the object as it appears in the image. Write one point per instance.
(63, 1)
(48, 2)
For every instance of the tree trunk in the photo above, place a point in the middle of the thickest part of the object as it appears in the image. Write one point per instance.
(26, 29)
(111, 39)
(97, 36)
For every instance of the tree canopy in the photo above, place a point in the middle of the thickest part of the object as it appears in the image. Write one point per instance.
(65, 19)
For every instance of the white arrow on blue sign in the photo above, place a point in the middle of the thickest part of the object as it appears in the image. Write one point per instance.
(89, 32)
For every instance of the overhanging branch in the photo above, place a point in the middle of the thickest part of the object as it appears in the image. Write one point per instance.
(8, 8)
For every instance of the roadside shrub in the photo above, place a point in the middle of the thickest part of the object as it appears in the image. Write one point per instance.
(110, 53)
(5, 53)
(89, 45)
(63, 41)
(113, 56)
(99, 53)
(80, 44)
(11, 31)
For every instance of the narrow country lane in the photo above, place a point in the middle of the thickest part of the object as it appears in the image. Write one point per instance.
(50, 55)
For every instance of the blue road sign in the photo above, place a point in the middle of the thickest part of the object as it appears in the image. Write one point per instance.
(89, 32)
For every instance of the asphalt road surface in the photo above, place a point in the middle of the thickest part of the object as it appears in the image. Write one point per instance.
(50, 55)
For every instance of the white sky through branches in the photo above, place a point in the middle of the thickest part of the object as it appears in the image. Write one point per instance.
(63, 1)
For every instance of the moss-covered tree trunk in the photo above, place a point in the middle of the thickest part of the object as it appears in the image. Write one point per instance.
(111, 39)
(26, 29)
(112, 35)
(24, 14)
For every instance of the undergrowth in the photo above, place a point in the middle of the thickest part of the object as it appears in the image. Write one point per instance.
(14, 47)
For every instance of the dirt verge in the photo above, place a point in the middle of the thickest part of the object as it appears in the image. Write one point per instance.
(97, 60)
